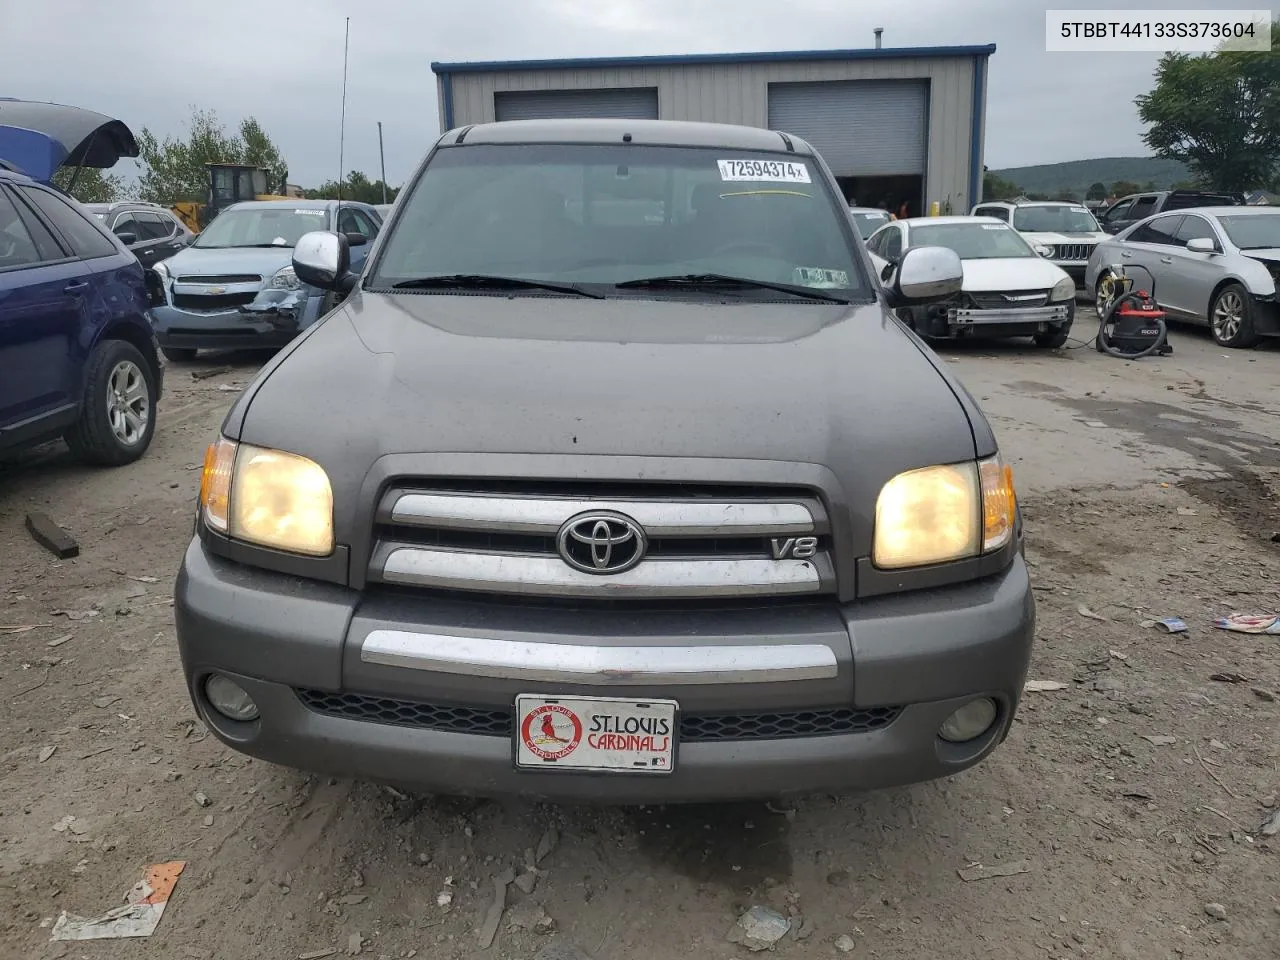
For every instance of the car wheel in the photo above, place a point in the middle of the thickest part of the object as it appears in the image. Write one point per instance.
(117, 415)
(1231, 317)
(1054, 337)
(1103, 291)
(178, 354)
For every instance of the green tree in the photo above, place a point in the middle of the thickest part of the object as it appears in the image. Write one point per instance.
(1097, 191)
(355, 186)
(174, 169)
(1122, 188)
(92, 185)
(1218, 113)
(997, 188)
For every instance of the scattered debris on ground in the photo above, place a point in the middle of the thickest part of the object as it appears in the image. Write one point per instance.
(759, 929)
(980, 871)
(145, 905)
(51, 536)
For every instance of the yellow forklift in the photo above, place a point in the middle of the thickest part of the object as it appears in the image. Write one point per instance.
(228, 183)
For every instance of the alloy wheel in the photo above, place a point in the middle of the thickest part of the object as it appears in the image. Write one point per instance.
(128, 403)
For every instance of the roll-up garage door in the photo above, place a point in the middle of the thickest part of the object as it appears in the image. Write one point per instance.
(861, 127)
(632, 103)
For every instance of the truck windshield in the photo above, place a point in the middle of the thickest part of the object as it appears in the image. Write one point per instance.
(598, 215)
(1259, 231)
(973, 241)
(274, 226)
(1054, 220)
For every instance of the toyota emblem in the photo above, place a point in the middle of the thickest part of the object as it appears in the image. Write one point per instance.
(601, 542)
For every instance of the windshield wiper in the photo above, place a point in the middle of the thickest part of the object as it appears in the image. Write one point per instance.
(480, 281)
(677, 281)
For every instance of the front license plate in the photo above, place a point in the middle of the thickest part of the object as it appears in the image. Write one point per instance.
(595, 733)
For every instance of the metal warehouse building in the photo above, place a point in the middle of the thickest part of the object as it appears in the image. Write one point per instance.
(895, 125)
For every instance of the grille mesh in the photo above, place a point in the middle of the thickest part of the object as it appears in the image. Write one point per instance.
(694, 728)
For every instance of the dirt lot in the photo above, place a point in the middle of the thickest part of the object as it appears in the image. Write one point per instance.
(1148, 490)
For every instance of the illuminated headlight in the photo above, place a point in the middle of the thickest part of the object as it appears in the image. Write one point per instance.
(267, 497)
(1064, 289)
(285, 279)
(944, 513)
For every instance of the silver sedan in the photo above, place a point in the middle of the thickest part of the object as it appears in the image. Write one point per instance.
(1218, 266)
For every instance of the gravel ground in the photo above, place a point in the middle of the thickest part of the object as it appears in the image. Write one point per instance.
(1124, 812)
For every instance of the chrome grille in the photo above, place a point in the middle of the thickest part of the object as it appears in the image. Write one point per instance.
(1009, 300)
(700, 543)
(694, 728)
(1073, 251)
(222, 278)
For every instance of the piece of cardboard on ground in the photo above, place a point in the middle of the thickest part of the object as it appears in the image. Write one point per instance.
(139, 916)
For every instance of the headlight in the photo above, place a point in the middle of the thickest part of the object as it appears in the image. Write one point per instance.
(268, 497)
(1064, 289)
(285, 279)
(944, 513)
(161, 271)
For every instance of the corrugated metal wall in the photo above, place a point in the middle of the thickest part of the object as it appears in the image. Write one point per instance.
(738, 93)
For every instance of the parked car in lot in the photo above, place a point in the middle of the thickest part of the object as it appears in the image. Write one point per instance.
(1214, 265)
(1068, 232)
(591, 507)
(1009, 289)
(234, 286)
(151, 232)
(1127, 211)
(868, 219)
(77, 358)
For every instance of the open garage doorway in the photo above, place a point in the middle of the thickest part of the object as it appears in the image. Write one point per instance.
(886, 193)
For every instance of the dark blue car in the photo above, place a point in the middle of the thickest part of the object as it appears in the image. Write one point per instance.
(77, 355)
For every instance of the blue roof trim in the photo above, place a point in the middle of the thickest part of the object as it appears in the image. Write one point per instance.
(782, 56)
(446, 89)
(975, 132)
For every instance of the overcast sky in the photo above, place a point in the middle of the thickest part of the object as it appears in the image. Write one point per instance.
(148, 61)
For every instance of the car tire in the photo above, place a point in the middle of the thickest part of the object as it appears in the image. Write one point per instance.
(1231, 317)
(179, 354)
(1054, 337)
(117, 414)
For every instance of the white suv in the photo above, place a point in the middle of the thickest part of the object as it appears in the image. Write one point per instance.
(1068, 230)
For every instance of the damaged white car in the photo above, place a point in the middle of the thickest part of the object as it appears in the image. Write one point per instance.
(1009, 289)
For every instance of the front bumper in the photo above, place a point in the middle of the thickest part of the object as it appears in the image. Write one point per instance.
(1266, 316)
(906, 662)
(272, 320)
(1075, 269)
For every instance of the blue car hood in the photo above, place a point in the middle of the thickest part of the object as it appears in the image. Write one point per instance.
(211, 261)
(37, 138)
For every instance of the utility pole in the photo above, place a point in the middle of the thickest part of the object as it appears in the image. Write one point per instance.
(342, 124)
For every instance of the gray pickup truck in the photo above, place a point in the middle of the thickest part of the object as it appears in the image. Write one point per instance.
(613, 478)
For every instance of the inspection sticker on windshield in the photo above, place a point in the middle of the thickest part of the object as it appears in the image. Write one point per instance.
(310, 213)
(821, 277)
(764, 171)
(994, 226)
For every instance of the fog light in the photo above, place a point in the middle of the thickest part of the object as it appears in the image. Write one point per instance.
(970, 721)
(230, 699)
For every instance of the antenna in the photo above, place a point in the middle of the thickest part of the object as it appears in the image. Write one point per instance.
(342, 124)
(382, 159)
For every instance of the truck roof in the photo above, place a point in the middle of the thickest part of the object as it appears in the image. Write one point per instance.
(670, 133)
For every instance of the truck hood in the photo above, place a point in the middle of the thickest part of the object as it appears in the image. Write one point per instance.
(1014, 273)
(531, 382)
(212, 262)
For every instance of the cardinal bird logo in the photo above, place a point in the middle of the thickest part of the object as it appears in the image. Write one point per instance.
(551, 731)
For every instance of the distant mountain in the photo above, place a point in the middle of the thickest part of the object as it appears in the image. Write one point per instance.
(1078, 175)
